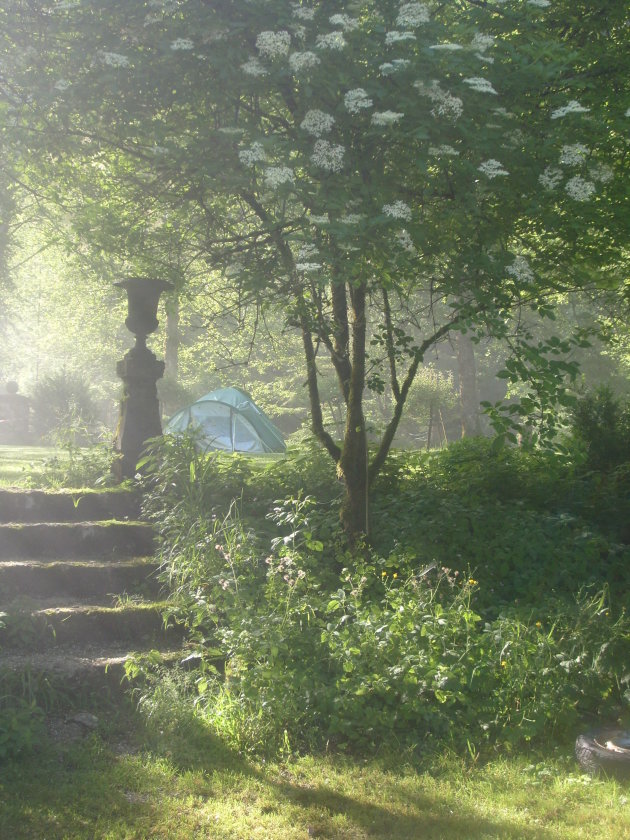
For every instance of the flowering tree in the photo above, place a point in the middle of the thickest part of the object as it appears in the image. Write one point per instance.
(350, 163)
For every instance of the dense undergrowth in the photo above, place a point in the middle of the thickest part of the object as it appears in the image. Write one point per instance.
(489, 611)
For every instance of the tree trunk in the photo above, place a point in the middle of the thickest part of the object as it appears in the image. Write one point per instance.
(173, 339)
(468, 392)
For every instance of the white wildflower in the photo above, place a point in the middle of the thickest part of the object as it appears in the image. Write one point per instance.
(273, 44)
(255, 154)
(302, 12)
(550, 178)
(572, 107)
(482, 42)
(394, 66)
(446, 46)
(602, 172)
(579, 188)
(331, 41)
(319, 220)
(356, 100)
(62, 84)
(114, 59)
(395, 36)
(328, 156)
(346, 22)
(573, 155)
(299, 31)
(253, 67)
(483, 57)
(440, 151)
(480, 85)
(299, 61)
(412, 14)
(405, 241)
(492, 168)
(307, 251)
(352, 218)
(521, 270)
(386, 117)
(445, 104)
(317, 122)
(503, 112)
(308, 266)
(182, 44)
(277, 176)
(542, 3)
(398, 210)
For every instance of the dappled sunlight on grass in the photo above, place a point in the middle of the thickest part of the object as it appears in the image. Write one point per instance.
(22, 466)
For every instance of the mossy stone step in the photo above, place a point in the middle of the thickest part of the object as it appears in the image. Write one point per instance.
(68, 506)
(86, 624)
(76, 539)
(78, 578)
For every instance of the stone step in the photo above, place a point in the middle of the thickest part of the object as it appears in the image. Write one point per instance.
(42, 627)
(67, 506)
(77, 579)
(77, 539)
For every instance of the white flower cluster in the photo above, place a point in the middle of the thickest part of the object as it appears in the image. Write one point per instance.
(255, 154)
(346, 22)
(319, 220)
(405, 241)
(412, 14)
(482, 42)
(550, 178)
(273, 44)
(602, 172)
(328, 156)
(447, 46)
(440, 151)
(386, 117)
(521, 270)
(230, 130)
(352, 218)
(480, 85)
(492, 168)
(253, 67)
(299, 61)
(62, 84)
(277, 176)
(356, 100)
(445, 104)
(573, 155)
(308, 266)
(572, 107)
(394, 37)
(317, 122)
(302, 12)
(393, 66)
(542, 3)
(627, 114)
(398, 210)
(307, 252)
(331, 41)
(299, 31)
(182, 44)
(114, 59)
(579, 188)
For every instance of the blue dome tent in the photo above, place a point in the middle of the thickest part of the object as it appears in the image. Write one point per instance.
(230, 421)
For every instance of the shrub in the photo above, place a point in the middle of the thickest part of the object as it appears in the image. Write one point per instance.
(62, 401)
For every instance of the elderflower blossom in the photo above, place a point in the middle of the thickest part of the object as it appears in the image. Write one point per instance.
(230, 130)
(273, 44)
(255, 153)
(446, 46)
(406, 242)
(412, 14)
(356, 100)
(480, 85)
(573, 155)
(572, 107)
(550, 178)
(395, 36)
(277, 176)
(398, 210)
(481, 42)
(299, 31)
(308, 266)
(182, 44)
(352, 218)
(579, 188)
(394, 65)
(307, 251)
(317, 122)
(319, 220)
(303, 61)
(627, 114)
(62, 84)
(445, 104)
(521, 270)
(302, 12)
(346, 22)
(328, 156)
(492, 168)
(439, 151)
(253, 67)
(602, 172)
(386, 117)
(331, 41)
(542, 3)
(114, 59)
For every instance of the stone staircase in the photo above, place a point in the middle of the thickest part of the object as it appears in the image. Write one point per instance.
(78, 586)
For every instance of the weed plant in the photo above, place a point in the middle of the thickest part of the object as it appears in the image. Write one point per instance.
(480, 617)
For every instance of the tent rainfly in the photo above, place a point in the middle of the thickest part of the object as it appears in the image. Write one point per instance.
(230, 421)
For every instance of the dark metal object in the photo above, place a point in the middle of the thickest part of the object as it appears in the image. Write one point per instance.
(139, 371)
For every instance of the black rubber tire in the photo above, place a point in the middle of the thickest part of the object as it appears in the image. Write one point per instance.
(595, 757)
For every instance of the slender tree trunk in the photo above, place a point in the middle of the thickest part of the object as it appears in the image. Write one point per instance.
(173, 340)
(468, 392)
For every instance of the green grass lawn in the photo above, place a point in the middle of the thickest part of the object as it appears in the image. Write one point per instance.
(119, 784)
(21, 466)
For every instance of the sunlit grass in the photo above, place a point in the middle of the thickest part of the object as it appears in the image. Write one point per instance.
(22, 466)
